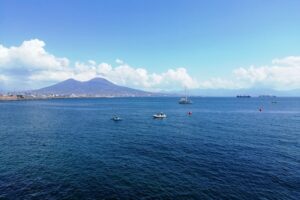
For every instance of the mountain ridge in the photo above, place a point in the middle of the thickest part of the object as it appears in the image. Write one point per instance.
(94, 87)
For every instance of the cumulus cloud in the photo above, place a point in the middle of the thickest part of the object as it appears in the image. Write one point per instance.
(282, 74)
(18, 64)
(139, 77)
(30, 53)
(3, 78)
(119, 61)
(287, 61)
(30, 66)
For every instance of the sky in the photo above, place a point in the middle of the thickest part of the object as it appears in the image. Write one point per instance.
(151, 44)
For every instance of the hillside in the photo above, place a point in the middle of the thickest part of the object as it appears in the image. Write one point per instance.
(93, 87)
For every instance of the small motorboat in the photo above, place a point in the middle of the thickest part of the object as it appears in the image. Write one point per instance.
(159, 115)
(116, 118)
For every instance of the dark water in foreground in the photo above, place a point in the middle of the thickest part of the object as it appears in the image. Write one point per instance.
(70, 149)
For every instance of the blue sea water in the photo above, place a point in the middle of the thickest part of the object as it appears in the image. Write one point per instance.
(227, 149)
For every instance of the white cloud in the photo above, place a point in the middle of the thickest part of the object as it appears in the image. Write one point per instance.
(3, 78)
(282, 74)
(30, 53)
(126, 75)
(287, 61)
(30, 66)
(119, 61)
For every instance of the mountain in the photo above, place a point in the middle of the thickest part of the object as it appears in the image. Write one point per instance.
(100, 87)
(94, 87)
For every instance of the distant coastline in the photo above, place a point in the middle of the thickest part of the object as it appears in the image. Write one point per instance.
(102, 88)
(20, 97)
(46, 97)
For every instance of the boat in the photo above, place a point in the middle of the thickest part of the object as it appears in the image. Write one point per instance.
(116, 118)
(267, 96)
(185, 100)
(160, 115)
(243, 96)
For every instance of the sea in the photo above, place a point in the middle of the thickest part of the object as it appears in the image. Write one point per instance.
(226, 149)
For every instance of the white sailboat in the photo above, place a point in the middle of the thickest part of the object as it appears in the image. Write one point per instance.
(185, 100)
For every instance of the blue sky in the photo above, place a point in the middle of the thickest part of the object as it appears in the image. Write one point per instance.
(208, 38)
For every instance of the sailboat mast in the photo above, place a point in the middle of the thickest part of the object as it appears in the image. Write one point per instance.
(186, 93)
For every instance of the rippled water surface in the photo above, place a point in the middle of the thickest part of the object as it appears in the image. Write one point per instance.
(227, 149)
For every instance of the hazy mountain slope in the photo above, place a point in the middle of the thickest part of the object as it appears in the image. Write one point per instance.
(93, 87)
